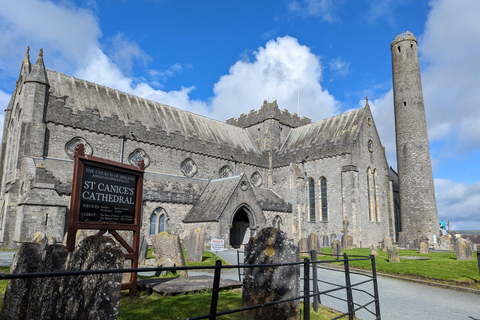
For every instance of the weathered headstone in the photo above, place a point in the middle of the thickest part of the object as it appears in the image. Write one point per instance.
(261, 285)
(326, 241)
(336, 248)
(423, 248)
(196, 245)
(445, 243)
(303, 245)
(402, 240)
(167, 263)
(142, 250)
(167, 246)
(347, 241)
(185, 241)
(463, 249)
(373, 250)
(27, 259)
(313, 242)
(393, 255)
(92, 296)
(333, 236)
(387, 242)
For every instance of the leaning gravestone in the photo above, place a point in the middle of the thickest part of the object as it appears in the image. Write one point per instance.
(402, 240)
(195, 246)
(373, 250)
(262, 285)
(303, 245)
(167, 246)
(387, 242)
(92, 296)
(142, 250)
(463, 249)
(27, 259)
(393, 255)
(336, 248)
(423, 248)
(313, 242)
(347, 241)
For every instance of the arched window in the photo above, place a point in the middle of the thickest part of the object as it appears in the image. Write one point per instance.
(323, 198)
(277, 222)
(370, 189)
(311, 199)
(153, 224)
(161, 224)
(375, 195)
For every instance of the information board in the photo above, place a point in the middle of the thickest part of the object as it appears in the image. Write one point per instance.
(107, 196)
(217, 245)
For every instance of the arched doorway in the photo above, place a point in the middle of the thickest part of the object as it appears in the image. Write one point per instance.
(239, 233)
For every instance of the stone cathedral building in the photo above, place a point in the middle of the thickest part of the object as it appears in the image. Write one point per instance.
(265, 168)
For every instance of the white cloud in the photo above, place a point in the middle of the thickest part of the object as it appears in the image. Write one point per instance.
(458, 203)
(339, 66)
(325, 9)
(276, 71)
(125, 52)
(4, 99)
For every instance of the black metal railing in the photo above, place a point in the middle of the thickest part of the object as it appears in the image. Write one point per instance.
(306, 295)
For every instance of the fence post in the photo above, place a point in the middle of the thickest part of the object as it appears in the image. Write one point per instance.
(348, 285)
(216, 286)
(306, 289)
(316, 298)
(375, 288)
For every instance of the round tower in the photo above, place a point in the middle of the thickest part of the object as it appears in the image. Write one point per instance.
(418, 208)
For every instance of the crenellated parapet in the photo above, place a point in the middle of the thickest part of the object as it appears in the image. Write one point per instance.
(269, 110)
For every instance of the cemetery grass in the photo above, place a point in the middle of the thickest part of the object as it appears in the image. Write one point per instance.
(443, 267)
(156, 306)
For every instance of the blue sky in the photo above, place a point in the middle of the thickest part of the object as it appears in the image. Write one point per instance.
(222, 58)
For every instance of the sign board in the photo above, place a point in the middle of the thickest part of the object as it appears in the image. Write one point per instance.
(217, 245)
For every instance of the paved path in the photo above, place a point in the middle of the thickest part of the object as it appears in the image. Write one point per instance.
(399, 299)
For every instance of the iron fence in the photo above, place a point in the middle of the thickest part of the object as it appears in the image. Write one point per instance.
(310, 295)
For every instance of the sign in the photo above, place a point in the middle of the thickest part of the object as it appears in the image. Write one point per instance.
(107, 196)
(217, 245)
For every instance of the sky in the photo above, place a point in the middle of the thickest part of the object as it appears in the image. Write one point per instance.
(318, 57)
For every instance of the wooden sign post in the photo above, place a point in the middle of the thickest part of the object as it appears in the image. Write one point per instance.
(107, 196)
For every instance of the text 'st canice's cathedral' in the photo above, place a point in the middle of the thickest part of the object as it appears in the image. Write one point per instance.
(262, 169)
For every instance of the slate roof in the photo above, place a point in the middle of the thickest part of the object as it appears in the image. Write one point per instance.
(213, 200)
(270, 201)
(80, 94)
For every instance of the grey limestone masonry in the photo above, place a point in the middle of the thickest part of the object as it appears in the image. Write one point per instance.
(268, 168)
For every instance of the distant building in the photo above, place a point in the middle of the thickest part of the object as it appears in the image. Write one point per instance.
(267, 168)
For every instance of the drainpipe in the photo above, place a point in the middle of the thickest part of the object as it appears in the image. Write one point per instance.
(121, 148)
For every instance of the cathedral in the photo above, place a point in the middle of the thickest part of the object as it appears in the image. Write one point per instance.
(229, 179)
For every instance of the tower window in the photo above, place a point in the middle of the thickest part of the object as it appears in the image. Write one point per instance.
(411, 46)
(399, 50)
(405, 103)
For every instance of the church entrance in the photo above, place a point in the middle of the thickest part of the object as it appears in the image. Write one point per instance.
(239, 233)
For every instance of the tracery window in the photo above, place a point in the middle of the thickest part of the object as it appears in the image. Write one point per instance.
(311, 199)
(323, 198)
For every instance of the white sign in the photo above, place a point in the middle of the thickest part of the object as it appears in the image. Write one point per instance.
(217, 245)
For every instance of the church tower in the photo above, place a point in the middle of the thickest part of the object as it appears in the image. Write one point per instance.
(418, 208)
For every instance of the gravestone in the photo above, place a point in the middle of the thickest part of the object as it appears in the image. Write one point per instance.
(387, 242)
(336, 248)
(402, 240)
(167, 263)
(142, 250)
(313, 242)
(27, 259)
(393, 255)
(303, 245)
(445, 243)
(167, 246)
(92, 296)
(185, 241)
(262, 285)
(326, 241)
(463, 249)
(373, 250)
(195, 246)
(423, 248)
(347, 242)
(333, 236)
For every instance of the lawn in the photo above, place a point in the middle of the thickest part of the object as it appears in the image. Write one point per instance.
(442, 267)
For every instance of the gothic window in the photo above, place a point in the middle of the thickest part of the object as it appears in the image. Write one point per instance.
(311, 199)
(375, 195)
(277, 222)
(323, 198)
(71, 145)
(225, 172)
(157, 221)
(161, 223)
(370, 194)
(256, 179)
(188, 167)
(137, 155)
(153, 224)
